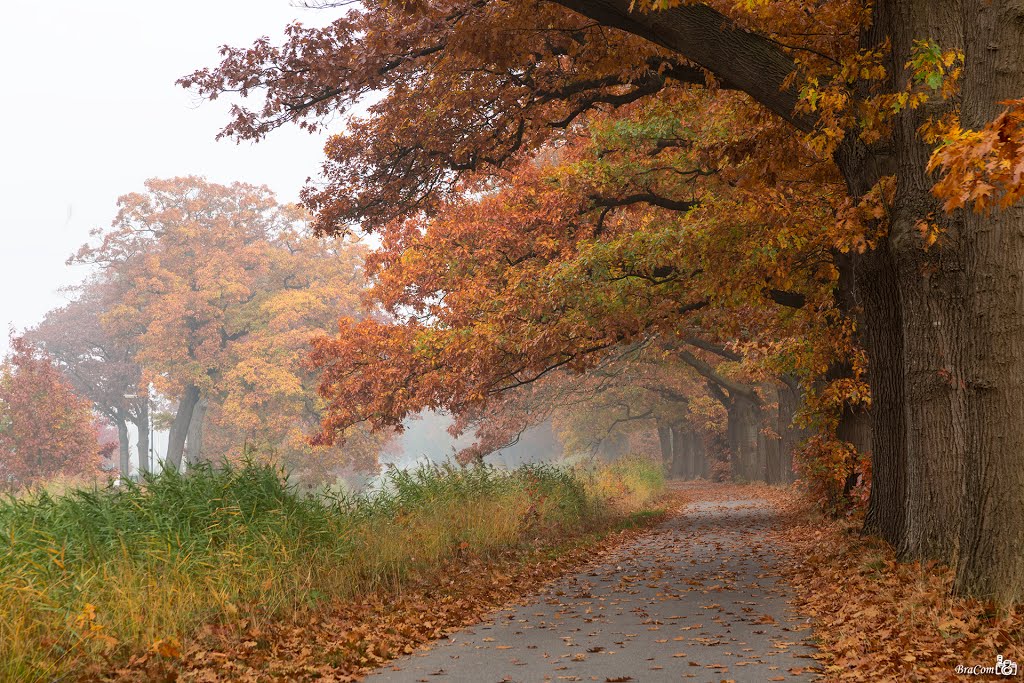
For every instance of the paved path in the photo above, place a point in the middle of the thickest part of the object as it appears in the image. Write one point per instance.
(693, 600)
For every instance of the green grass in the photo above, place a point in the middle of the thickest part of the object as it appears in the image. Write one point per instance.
(104, 572)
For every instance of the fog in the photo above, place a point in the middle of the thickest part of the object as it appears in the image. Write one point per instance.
(91, 110)
(426, 440)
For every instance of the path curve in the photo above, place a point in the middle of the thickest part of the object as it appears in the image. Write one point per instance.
(695, 599)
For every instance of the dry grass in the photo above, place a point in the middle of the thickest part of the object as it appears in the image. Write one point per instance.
(103, 573)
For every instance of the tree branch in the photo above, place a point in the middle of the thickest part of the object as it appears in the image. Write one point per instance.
(745, 60)
(708, 372)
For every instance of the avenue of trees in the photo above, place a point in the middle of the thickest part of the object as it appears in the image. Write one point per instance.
(744, 202)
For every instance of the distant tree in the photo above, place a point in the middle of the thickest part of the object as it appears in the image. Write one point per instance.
(215, 292)
(100, 365)
(45, 428)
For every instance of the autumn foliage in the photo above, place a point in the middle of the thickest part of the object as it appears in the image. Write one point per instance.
(45, 428)
(213, 293)
(554, 181)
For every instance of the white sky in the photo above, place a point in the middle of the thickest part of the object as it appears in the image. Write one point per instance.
(89, 110)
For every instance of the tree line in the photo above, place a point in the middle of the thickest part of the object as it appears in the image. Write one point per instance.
(195, 319)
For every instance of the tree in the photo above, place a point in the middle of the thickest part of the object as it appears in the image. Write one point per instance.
(218, 290)
(549, 269)
(266, 399)
(190, 254)
(45, 428)
(857, 81)
(100, 366)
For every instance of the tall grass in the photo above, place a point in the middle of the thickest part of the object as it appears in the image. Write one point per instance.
(109, 571)
(627, 484)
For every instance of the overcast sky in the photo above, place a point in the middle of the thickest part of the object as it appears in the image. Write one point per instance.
(89, 111)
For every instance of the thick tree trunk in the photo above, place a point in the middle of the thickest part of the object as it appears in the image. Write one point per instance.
(123, 446)
(991, 563)
(789, 403)
(697, 457)
(909, 321)
(179, 428)
(775, 470)
(765, 455)
(856, 425)
(882, 336)
(194, 440)
(931, 287)
(742, 434)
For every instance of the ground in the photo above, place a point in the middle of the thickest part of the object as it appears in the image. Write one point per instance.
(697, 598)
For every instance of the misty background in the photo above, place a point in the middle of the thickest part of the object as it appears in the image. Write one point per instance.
(92, 110)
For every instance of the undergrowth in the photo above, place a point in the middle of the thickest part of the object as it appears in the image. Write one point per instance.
(98, 574)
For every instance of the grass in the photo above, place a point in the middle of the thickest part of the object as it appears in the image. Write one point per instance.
(102, 573)
(628, 484)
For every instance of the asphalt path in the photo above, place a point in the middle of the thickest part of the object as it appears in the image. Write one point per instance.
(697, 598)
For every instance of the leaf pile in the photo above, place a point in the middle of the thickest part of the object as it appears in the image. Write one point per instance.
(880, 619)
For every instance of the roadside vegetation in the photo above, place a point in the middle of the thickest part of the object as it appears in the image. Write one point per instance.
(97, 575)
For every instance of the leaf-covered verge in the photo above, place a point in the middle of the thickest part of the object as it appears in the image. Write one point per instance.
(212, 573)
(879, 619)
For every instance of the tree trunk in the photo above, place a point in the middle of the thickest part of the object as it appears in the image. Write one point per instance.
(774, 472)
(695, 450)
(789, 403)
(194, 440)
(931, 287)
(145, 464)
(742, 434)
(882, 336)
(179, 428)
(855, 425)
(679, 454)
(123, 446)
(991, 564)
(665, 441)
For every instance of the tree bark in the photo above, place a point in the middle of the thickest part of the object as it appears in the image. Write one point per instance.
(882, 336)
(194, 440)
(774, 472)
(931, 287)
(698, 455)
(741, 59)
(179, 428)
(789, 403)
(991, 564)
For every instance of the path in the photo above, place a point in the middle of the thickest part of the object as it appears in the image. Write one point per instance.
(693, 600)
